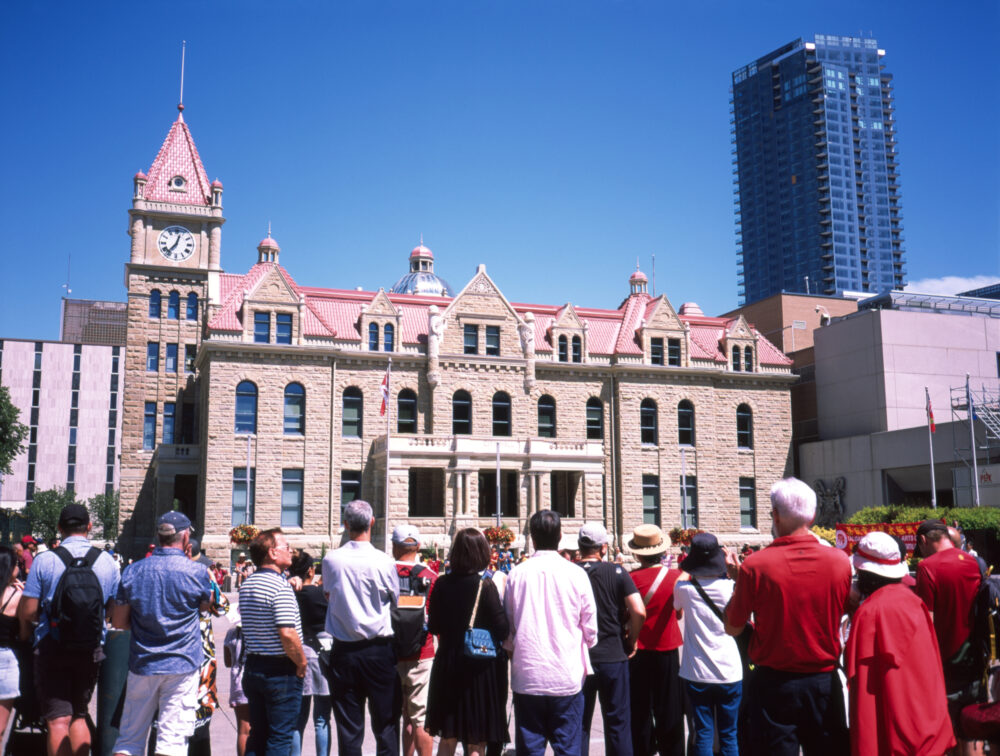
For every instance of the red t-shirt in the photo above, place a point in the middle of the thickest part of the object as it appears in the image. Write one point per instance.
(796, 589)
(660, 631)
(947, 582)
(403, 569)
(896, 683)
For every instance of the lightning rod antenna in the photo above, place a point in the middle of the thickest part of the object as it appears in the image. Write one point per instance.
(180, 105)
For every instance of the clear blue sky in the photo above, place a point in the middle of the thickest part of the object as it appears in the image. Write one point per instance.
(555, 142)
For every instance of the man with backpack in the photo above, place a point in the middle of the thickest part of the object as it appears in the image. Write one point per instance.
(414, 645)
(159, 599)
(68, 592)
(947, 581)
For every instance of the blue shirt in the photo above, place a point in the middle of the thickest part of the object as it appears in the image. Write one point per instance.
(164, 591)
(48, 568)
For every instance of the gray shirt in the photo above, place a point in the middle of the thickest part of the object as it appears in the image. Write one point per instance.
(362, 585)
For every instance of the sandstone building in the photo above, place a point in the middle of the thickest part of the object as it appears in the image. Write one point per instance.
(272, 393)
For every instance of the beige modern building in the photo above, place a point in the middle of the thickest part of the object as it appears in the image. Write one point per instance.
(640, 413)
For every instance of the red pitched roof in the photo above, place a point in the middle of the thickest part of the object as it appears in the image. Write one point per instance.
(178, 157)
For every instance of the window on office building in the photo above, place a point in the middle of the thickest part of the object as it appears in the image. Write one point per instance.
(291, 498)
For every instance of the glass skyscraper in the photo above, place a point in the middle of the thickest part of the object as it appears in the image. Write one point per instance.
(815, 171)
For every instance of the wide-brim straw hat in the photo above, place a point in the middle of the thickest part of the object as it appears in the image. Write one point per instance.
(647, 540)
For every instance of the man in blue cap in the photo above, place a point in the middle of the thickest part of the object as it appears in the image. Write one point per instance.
(159, 599)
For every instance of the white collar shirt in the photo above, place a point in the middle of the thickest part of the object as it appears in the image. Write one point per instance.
(361, 586)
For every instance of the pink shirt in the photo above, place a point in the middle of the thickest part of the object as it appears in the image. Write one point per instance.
(553, 620)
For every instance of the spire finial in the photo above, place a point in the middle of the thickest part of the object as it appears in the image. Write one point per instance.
(421, 238)
(637, 262)
(180, 104)
(269, 229)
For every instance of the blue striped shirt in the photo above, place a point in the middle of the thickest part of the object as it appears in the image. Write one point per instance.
(267, 602)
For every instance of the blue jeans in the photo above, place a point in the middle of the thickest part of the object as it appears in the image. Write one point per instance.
(321, 723)
(274, 694)
(557, 720)
(610, 683)
(711, 704)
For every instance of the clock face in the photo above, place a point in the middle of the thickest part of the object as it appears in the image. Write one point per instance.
(176, 243)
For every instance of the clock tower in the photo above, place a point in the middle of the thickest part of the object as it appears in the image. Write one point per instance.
(175, 225)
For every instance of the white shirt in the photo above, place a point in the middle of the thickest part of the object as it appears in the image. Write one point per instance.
(553, 620)
(710, 656)
(361, 585)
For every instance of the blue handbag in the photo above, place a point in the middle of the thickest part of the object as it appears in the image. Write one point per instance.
(479, 641)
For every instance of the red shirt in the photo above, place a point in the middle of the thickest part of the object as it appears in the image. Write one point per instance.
(660, 632)
(403, 569)
(896, 684)
(796, 589)
(947, 582)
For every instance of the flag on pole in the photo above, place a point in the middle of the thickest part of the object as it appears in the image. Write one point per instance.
(385, 391)
(930, 414)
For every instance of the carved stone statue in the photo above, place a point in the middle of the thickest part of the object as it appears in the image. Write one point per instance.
(830, 502)
(526, 330)
(435, 331)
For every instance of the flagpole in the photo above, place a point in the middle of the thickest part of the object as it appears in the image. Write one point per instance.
(930, 445)
(498, 484)
(388, 417)
(972, 436)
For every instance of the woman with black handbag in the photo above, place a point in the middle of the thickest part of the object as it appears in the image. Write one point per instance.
(464, 611)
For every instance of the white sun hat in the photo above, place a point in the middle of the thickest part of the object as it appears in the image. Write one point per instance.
(878, 553)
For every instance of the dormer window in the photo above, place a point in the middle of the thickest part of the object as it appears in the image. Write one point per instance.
(178, 184)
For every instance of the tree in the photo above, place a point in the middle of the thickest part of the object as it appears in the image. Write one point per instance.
(12, 433)
(44, 511)
(104, 513)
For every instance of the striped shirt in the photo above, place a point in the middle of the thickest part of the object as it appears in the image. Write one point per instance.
(267, 602)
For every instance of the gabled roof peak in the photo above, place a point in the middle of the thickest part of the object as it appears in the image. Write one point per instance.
(177, 174)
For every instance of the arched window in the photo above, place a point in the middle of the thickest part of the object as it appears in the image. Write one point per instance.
(406, 410)
(246, 407)
(744, 427)
(577, 349)
(563, 349)
(685, 423)
(648, 422)
(461, 413)
(546, 416)
(192, 307)
(389, 337)
(736, 358)
(748, 359)
(595, 419)
(501, 414)
(295, 409)
(353, 411)
(154, 303)
(174, 305)
(373, 337)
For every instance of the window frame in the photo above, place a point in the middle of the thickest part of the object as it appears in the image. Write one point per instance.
(674, 352)
(458, 401)
(388, 338)
(292, 482)
(355, 397)
(170, 359)
(261, 317)
(470, 338)
(501, 401)
(149, 426)
(373, 337)
(169, 422)
(689, 486)
(747, 359)
(649, 422)
(283, 323)
(294, 395)
(576, 349)
(493, 341)
(748, 515)
(656, 350)
(546, 416)
(736, 358)
(245, 418)
(409, 396)
(191, 306)
(563, 348)
(174, 305)
(686, 423)
(155, 296)
(152, 357)
(744, 426)
(651, 506)
(595, 431)
(249, 496)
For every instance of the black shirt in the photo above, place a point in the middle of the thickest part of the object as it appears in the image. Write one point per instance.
(312, 609)
(611, 584)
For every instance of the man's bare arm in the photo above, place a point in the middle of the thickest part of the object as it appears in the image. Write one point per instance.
(121, 617)
(636, 617)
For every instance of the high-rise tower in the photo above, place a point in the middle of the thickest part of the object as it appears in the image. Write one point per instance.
(814, 152)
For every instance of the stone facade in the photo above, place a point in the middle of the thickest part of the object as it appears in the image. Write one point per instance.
(561, 395)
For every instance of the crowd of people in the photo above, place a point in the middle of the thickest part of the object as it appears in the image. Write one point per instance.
(795, 647)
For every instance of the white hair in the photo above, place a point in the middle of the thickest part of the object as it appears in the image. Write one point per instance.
(358, 516)
(794, 500)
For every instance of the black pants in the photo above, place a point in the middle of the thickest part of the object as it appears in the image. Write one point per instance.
(789, 710)
(361, 672)
(657, 703)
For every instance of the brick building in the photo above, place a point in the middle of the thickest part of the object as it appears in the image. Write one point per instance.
(271, 392)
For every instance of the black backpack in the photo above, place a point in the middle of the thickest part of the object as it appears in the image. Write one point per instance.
(975, 655)
(409, 623)
(76, 612)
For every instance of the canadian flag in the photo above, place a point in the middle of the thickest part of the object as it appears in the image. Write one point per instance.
(930, 415)
(385, 391)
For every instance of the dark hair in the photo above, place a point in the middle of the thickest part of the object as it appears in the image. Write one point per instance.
(470, 552)
(261, 546)
(7, 564)
(901, 545)
(546, 530)
(869, 582)
(301, 563)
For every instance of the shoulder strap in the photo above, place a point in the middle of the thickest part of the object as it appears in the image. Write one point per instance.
(91, 557)
(13, 593)
(707, 599)
(656, 584)
(475, 607)
(63, 553)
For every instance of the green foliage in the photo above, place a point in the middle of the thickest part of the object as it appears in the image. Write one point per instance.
(968, 518)
(12, 433)
(104, 514)
(44, 511)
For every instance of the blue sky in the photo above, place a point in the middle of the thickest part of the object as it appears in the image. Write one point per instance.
(556, 142)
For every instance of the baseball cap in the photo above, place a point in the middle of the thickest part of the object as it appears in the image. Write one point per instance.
(29, 540)
(592, 534)
(73, 515)
(879, 553)
(928, 525)
(172, 522)
(405, 534)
